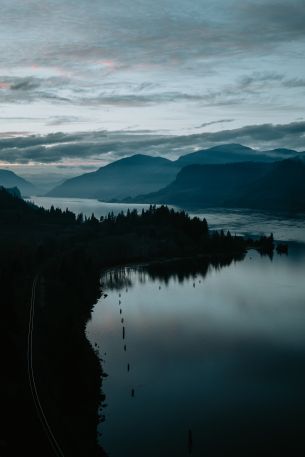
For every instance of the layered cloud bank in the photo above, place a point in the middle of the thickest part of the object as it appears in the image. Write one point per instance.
(174, 67)
(101, 147)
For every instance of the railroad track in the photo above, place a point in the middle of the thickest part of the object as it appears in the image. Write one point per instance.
(31, 377)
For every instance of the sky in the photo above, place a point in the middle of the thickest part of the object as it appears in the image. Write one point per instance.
(85, 82)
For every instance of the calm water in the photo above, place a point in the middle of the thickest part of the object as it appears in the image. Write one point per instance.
(221, 352)
(218, 351)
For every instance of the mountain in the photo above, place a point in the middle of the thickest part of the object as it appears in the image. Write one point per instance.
(10, 199)
(283, 153)
(278, 185)
(207, 185)
(141, 174)
(231, 153)
(10, 179)
(282, 188)
(14, 191)
(121, 179)
(14, 213)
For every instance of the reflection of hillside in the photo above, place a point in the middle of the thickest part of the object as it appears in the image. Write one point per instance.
(178, 269)
(117, 279)
(183, 270)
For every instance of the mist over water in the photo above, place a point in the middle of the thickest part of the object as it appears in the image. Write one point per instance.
(284, 225)
(87, 206)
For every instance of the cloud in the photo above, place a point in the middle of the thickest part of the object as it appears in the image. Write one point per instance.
(25, 84)
(220, 121)
(165, 32)
(101, 55)
(294, 83)
(78, 92)
(259, 78)
(134, 99)
(292, 134)
(22, 142)
(30, 89)
(109, 146)
(277, 19)
(61, 120)
(127, 94)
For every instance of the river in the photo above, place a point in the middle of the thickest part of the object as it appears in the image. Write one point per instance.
(207, 362)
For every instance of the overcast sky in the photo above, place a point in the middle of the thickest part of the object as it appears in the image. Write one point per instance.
(161, 77)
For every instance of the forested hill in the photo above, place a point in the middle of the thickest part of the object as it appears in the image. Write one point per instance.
(10, 179)
(142, 174)
(14, 209)
(156, 232)
(273, 186)
(123, 178)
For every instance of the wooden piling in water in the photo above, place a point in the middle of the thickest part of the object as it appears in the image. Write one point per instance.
(190, 441)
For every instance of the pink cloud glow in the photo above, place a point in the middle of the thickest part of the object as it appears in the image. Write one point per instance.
(108, 63)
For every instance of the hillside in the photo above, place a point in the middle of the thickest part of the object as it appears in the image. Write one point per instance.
(282, 188)
(279, 185)
(10, 179)
(124, 178)
(232, 153)
(141, 174)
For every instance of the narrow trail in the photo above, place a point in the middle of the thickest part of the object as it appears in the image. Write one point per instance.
(42, 417)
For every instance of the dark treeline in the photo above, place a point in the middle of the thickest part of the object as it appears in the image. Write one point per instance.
(156, 232)
(68, 253)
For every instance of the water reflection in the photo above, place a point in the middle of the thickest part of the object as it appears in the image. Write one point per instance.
(177, 269)
(216, 358)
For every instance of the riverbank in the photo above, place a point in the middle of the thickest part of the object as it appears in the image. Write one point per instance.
(66, 367)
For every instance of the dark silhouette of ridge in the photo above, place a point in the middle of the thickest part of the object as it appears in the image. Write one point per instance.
(9, 179)
(277, 185)
(282, 188)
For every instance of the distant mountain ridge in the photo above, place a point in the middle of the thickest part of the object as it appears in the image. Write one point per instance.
(9, 179)
(277, 185)
(123, 178)
(231, 153)
(142, 174)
